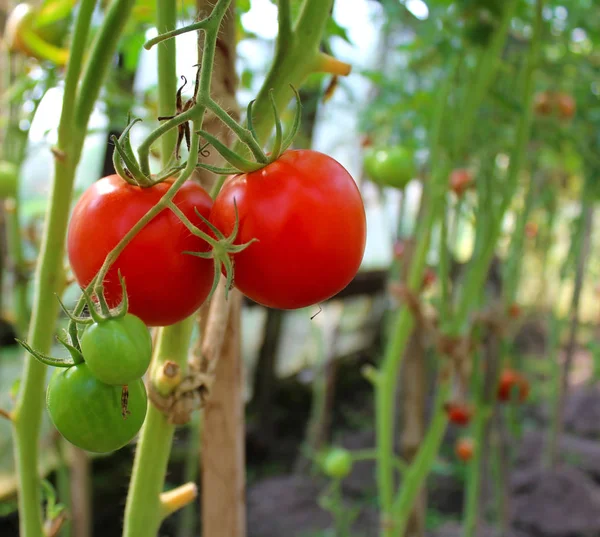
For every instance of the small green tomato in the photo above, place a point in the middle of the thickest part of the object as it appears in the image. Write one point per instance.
(93, 415)
(117, 351)
(338, 463)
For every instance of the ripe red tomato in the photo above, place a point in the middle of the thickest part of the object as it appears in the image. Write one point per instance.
(464, 449)
(164, 285)
(92, 415)
(543, 103)
(511, 380)
(566, 105)
(458, 413)
(308, 216)
(460, 181)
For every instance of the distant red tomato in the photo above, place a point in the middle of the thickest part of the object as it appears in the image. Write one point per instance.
(464, 449)
(514, 311)
(543, 103)
(510, 381)
(458, 413)
(566, 105)
(531, 230)
(399, 249)
(429, 278)
(460, 181)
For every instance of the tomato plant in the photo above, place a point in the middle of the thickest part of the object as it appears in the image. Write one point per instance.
(164, 284)
(117, 351)
(464, 449)
(511, 380)
(93, 415)
(458, 413)
(393, 166)
(308, 217)
(338, 463)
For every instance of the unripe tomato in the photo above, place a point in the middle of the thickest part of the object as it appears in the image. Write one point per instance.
(464, 449)
(566, 105)
(543, 103)
(458, 413)
(511, 380)
(91, 414)
(117, 351)
(460, 181)
(164, 284)
(392, 166)
(338, 463)
(308, 217)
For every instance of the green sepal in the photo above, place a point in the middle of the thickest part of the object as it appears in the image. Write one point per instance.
(47, 359)
(296, 123)
(276, 149)
(230, 156)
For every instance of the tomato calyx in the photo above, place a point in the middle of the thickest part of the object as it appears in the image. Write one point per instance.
(250, 138)
(221, 248)
(69, 338)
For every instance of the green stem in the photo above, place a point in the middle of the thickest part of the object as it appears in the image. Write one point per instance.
(166, 20)
(478, 271)
(143, 511)
(473, 488)
(49, 280)
(401, 329)
(421, 465)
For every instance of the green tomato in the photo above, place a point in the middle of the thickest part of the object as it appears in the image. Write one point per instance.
(394, 166)
(338, 463)
(117, 351)
(90, 414)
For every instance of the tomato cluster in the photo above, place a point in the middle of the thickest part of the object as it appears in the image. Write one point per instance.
(302, 215)
(99, 404)
(547, 103)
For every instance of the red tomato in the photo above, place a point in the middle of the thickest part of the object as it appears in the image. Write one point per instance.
(429, 278)
(308, 216)
(531, 230)
(164, 285)
(458, 413)
(464, 449)
(566, 105)
(543, 103)
(509, 381)
(399, 249)
(514, 311)
(460, 181)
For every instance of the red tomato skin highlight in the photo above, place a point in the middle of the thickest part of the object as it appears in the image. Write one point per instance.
(164, 285)
(307, 214)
